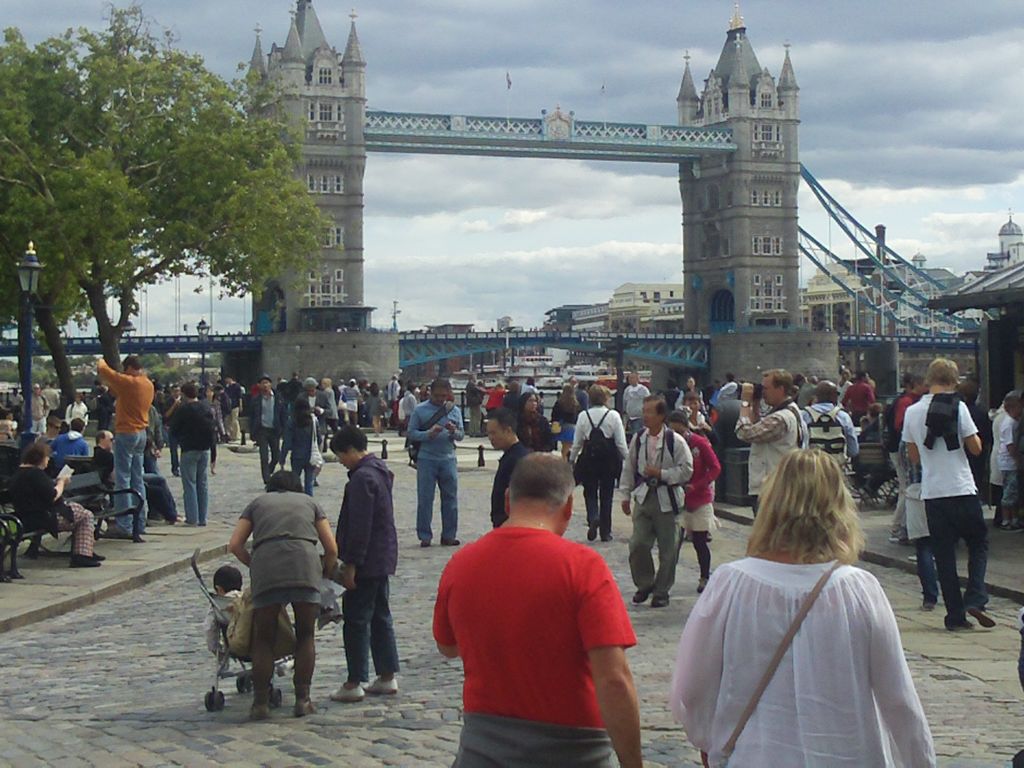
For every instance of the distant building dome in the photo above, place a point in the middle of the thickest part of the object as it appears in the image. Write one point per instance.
(1011, 228)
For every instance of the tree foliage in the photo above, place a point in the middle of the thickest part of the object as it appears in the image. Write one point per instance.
(129, 163)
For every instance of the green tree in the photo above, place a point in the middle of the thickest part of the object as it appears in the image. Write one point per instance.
(129, 163)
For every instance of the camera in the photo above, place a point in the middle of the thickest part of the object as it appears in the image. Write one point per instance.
(652, 482)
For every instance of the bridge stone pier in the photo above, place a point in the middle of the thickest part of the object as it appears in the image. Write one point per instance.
(749, 354)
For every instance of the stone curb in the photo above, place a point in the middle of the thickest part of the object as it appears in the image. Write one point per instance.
(108, 590)
(886, 560)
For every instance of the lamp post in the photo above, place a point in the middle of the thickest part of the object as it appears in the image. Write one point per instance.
(28, 277)
(204, 331)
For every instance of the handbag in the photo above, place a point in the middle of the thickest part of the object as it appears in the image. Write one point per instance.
(316, 459)
(239, 632)
(773, 665)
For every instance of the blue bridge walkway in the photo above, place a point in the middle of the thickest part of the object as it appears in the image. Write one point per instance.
(678, 350)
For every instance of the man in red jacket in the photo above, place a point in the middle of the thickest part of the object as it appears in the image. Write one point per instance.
(859, 397)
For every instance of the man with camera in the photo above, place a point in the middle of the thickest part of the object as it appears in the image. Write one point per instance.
(773, 435)
(658, 465)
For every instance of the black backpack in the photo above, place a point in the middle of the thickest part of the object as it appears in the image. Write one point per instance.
(599, 455)
(825, 432)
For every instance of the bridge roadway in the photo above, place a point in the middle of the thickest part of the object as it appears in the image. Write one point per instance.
(682, 350)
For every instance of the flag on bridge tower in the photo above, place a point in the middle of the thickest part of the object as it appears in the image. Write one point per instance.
(508, 81)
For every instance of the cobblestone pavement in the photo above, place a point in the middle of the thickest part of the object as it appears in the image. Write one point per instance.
(121, 683)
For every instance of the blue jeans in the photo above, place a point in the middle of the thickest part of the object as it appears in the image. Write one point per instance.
(431, 472)
(195, 466)
(159, 498)
(308, 475)
(129, 452)
(926, 570)
(172, 448)
(949, 520)
(368, 629)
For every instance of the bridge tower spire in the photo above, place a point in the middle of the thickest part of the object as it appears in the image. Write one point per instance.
(687, 101)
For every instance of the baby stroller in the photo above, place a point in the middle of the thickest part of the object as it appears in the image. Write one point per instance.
(229, 665)
(873, 480)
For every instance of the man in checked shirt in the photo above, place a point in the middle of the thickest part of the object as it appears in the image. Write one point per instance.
(774, 435)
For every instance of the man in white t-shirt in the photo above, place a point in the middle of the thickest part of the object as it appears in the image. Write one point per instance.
(633, 404)
(938, 431)
(1006, 460)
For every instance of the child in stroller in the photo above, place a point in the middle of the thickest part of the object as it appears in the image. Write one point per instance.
(227, 590)
(227, 583)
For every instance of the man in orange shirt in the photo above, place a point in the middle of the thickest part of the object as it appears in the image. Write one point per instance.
(134, 392)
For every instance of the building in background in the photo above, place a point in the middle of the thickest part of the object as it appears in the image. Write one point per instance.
(1011, 247)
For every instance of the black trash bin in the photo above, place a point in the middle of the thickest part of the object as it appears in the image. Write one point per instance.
(736, 470)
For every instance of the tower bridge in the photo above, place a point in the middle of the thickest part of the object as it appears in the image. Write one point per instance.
(736, 147)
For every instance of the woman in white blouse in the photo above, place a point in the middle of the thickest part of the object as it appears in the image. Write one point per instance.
(842, 695)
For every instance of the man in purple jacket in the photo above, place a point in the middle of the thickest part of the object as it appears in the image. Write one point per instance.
(368, 549)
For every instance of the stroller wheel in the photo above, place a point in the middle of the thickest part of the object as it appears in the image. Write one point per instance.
(214, 700)
(244, 683)
(276, 697)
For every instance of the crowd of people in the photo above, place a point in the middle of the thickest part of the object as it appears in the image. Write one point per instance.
(796, 592)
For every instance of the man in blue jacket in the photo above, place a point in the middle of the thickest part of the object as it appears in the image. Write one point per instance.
(435, 426)
(71, 443)
(368, 550)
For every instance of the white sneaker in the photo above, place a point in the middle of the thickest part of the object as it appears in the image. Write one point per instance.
(349, 694)
(383, 687)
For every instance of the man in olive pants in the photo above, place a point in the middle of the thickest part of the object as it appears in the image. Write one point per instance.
(658, 465)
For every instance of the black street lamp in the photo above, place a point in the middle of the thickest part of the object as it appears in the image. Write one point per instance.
(203, 329)
(28, 277)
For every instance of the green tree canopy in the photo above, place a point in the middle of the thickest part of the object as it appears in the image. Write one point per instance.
(129, 163)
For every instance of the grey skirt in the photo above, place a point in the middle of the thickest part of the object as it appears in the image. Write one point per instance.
(286, 596)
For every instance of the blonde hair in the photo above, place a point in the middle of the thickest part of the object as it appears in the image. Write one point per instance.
(326, 383)
(806, 512)
(599, 394)
(942, 373)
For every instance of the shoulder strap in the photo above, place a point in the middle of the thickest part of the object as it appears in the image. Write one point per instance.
(773, 665)
(603, 417)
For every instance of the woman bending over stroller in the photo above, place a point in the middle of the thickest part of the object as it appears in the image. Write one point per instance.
(284, 567)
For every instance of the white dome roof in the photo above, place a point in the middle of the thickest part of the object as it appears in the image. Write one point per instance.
(1010, 228)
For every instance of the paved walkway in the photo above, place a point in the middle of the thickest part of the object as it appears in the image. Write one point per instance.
(120, 682)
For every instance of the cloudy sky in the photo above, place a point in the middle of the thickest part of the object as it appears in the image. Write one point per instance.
(911, 113)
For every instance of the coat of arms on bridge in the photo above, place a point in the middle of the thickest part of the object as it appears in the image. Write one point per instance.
(557, 126)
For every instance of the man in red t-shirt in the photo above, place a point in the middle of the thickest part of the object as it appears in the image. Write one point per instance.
(859, 397)
(541, 628)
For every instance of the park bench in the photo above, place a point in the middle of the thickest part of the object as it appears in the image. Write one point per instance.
(86, 489)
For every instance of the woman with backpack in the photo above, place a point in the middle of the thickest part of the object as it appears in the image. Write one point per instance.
(598, 450)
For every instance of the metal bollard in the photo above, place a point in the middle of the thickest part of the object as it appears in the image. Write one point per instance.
(242, 433)
(480, 458)
(384, 449)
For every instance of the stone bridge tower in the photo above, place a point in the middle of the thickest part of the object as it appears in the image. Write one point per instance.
(740, 257)
(317, 323)
(323, 93)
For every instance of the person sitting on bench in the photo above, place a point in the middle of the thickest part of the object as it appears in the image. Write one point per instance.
(38, 504)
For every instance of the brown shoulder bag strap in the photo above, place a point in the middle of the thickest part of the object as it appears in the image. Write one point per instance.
(773, 665)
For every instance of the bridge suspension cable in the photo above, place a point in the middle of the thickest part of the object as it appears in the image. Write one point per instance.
(912, 283)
